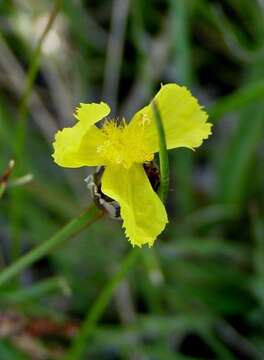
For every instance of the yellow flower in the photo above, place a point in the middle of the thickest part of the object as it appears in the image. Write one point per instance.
(122, 148)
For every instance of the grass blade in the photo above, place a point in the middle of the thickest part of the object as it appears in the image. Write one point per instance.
(71, 229)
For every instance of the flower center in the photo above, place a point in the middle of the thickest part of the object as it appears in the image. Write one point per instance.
(124, 144)
(112, 207)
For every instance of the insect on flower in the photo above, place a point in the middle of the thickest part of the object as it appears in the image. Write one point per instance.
(125, 150)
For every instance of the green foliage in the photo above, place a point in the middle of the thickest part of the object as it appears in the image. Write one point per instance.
(199, 293)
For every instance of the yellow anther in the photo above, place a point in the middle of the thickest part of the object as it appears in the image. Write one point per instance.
(123, 144)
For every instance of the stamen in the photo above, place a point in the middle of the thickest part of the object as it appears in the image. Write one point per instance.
(124, 144)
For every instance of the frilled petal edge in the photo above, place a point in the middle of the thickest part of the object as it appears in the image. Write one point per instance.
(184, 120)
(144, 215)
(77, 146)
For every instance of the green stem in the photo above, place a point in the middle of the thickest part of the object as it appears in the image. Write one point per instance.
(98, 308)
(36, 291)
(163, 154)
(17, 194)
(4, 178)
(32, 73)
(2, 189)
(72, 228)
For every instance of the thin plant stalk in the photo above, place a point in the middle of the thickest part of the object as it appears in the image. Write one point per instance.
(163, 154)
(96, 311)
(31, 77)
(4, 178)
(17, 195)
(72, 228)
(35, 292)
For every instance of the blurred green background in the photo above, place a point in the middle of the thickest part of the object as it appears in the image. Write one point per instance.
(199, 294)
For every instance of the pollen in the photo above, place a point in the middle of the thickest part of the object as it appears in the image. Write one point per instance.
(124, 144)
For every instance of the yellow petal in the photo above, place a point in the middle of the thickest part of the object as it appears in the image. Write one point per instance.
(142, 211)
(184, 120)
(77, 146)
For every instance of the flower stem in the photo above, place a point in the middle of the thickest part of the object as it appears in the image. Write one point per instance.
(96, 311)
(4, 178)
(17, 194)
(36, 291)
(71, 229)
(163, 154)
(32, 72)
